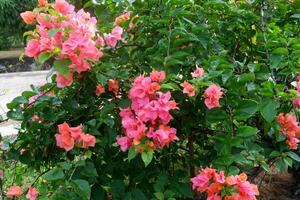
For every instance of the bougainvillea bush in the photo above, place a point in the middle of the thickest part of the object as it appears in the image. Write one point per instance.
(157, 100)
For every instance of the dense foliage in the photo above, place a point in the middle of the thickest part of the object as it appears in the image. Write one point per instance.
(246, 55)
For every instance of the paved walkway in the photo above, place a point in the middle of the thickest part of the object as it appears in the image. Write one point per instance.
(13, 84)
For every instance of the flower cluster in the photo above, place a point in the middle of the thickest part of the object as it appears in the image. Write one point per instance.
(212, 94)
(67, 137)
(65, 34)
(146, 121)
(16, 191)
(296, 102)
(290, 128)
(213, 183)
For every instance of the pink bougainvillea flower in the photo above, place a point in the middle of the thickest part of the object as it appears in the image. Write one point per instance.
(113, 86)
(158, 76)
(148, 115)
(296, 102)
(121, 18)
(42, 3)
(14, 191)
(124, 143)
(100, 41)
(212, 96)
(198, 72)
(33, 48)
(1, 173)
(28, 17)
(88, 140)
(112, 38)
(63, 7)
(64, 82)
(188, 89)
(99, 90)
(163, 136)
(32, 193)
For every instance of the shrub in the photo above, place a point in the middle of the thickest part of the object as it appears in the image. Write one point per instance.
(166, 90)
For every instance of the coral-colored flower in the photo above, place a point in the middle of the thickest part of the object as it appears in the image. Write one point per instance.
(14, 191)
(63, 81)
(42, 3)
(113, 86)
(121, 18)
(32, 193)
(290, 128)
(212, 96)
(188, 88)
(65, 141)
(67, 137)
(158, 76)
(28, 17)
(88, 140)
(210, 181)
(63, 7)
(198, 72)
(99, 90)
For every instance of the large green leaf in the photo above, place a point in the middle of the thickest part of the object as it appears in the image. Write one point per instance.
(54, 174)
(82, 188)
(268, 109)
(246, 109)
(62, 67)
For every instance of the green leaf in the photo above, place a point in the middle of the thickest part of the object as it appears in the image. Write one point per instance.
(147, 157)
(43, 57)
(82, 188)
(28, 94)
(294, 156)
(53, 31)
(62, 67)
(54, 174)
(296, 16)
(288, 161)
(246, 109)
(170, 86)
(281, 165)
(16, 102)
(246, 131)
(131, 153)
(281, 51)
(138, 195)
(268, 109)
(15, 115)
(159, 195)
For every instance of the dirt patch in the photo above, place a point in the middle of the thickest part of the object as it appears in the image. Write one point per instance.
(278, 186)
